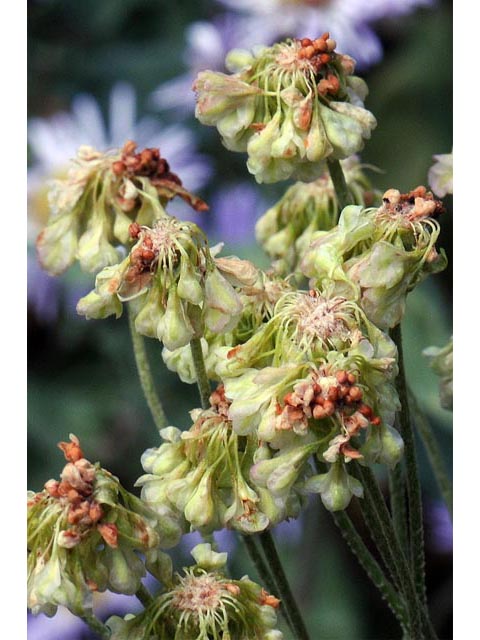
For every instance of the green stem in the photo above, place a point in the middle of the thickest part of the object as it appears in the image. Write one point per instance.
(144, 596)
(339, 183)
(201, 373)
(421, 626)
(370, 565)
(396, 483)
(145, 375)
(433, 452)
(376, 527)
(96, 626)
(417, 554)
(284, 591)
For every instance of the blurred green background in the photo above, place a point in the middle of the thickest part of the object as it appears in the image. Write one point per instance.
(82, 377)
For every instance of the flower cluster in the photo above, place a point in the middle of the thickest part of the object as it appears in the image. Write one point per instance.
(316, 379)
(286, 229)
(176, 285)
(258, 300)
(83, 534)
(377, 255)
(93, 207)
(204, 475)
(289, 106)
(203, 603)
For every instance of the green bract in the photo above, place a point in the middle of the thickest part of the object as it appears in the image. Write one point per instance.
(83, 533)
(202, 603)
(290, 107)
(376, 256)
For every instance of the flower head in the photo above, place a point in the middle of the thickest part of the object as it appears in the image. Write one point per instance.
(286, 229)
(175, 284)
(93, 207)
(203, 603)
(83, 532)
(204, 474)
(378, 255)
(290, 106)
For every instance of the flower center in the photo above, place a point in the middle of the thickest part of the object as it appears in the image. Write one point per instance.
(198, 594)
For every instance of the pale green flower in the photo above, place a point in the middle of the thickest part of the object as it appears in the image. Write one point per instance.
(440, 175)
(202, 603)
(203, 474)
(83, 535)
(175, 285)
(289, 106)
(441, 361)
(93, 207)
(376, 256)
(286, 229)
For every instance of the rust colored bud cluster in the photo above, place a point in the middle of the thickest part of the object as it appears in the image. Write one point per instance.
(147, 163)
(75, 491)
(219, 402)
(414, 205)
(269, 600)
(320, 52)
(310, 400)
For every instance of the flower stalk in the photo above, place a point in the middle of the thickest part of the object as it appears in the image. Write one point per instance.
(417, 554)
(339, 183)
(283, 587)
(145, 375)
(201, 372)
(96, 626)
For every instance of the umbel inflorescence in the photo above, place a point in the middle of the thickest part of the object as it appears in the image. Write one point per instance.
(304, 367)
(290, 107)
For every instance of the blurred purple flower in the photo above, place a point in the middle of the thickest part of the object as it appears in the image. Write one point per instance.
(234, 211)
(66, 626)
(251, 23)
(441, 528)
(42, 292)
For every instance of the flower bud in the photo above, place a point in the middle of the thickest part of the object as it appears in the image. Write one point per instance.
(335, 487)
(174, 328)
(384, 445)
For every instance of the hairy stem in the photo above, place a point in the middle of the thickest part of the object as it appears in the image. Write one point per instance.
(144, 596)
(145, 375)
(284, 591)
(417, 553)
(96, 626)
(201, 373)
(420, 625)
(396, 484)
(339, 183)
(370, 565)
(433, 452)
